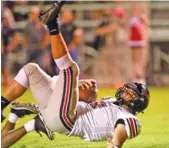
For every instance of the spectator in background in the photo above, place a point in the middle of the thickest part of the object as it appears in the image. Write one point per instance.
(9, 40)
(99, 40)
(36, 38)
(69, 33)
(7, 12)
(115, 51)
(138, 43)
(16, 63)
(86, 54)
(121, 53)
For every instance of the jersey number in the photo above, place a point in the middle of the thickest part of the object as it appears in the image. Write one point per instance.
(98, 104)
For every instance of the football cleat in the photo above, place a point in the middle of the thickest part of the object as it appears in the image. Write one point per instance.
(40, 126)
(2, 116)
(51, 13)
(22, 109)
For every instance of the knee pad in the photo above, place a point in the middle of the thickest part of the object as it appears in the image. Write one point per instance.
(30, 68)
(23, 75)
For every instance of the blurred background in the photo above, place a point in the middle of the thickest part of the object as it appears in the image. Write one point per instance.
(114, 42)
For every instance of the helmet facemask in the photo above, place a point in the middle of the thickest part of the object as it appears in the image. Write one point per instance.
(139, 99)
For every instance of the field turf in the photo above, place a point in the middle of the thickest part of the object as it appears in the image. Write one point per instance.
(155, 126)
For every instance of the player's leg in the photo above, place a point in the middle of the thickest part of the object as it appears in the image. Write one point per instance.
(31, 75)
(15, 90)
(9, 136)
(49, 17)
(63, 100)
(12, 137)
(18, 110)
(69, 69)
(36, 124)
(40, 84)
(9, 126)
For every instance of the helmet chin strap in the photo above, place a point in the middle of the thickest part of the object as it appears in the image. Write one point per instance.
(121, 101)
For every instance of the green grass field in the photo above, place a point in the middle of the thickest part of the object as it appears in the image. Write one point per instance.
(155, 126)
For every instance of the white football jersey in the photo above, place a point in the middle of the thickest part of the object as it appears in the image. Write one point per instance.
(96, 121)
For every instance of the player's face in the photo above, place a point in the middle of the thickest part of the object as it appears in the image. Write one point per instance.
(129, 94)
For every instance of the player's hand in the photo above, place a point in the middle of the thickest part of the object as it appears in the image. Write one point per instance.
(87, 84)
(83, 84)
(87, 90)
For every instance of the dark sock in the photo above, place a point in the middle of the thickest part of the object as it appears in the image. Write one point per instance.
(4, 102)
(53, 27)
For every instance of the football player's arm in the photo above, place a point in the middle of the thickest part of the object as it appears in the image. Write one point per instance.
(119, 137)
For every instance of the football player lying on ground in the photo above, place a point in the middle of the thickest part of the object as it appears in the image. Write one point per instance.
(58, 101)
(18, 110)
